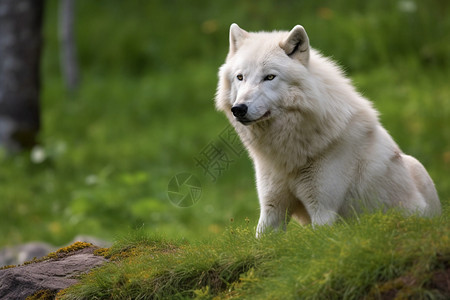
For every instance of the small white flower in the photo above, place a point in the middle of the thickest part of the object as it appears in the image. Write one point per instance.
(38, 154)
(91, 179)
(407, 6)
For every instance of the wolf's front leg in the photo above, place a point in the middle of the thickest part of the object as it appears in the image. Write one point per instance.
(276, 209)
(275, 199)
(272, 218)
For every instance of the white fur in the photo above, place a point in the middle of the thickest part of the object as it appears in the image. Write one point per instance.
(318, 148)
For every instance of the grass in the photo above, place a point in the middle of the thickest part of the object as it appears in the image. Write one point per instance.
(144, 111)
(351, 260)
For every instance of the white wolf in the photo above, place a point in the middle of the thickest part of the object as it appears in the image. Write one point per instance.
(318, 148)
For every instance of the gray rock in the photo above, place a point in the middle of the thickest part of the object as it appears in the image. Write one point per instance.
(53, 274)
(19, 254)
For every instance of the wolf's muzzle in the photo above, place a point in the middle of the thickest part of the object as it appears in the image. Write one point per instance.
(239, 110)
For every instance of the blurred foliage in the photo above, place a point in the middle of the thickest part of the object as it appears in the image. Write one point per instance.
(144, 110)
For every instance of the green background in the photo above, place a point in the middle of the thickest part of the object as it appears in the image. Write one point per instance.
(144, 110)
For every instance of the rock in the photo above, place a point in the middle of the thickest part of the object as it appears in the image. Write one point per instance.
(16, 255)
(53, 274)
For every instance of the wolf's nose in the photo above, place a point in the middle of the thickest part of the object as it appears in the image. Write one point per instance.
(239, 110)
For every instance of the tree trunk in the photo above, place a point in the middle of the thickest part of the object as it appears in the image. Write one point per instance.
(69, 63)
(20, 49)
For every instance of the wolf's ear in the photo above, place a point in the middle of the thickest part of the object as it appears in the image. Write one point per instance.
(237, 36)
(296, 45)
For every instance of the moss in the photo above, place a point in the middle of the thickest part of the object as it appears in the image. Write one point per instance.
(74, 247)
(7, 267)
(34, 260)
(135, 250)
(43, 295)
(60, 294)
(54, 255)
(64, 251)
(105, 252)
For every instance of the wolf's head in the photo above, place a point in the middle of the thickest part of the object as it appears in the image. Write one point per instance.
(260, 72)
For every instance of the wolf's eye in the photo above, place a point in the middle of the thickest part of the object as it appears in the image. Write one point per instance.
(269, 77)
(240, 77)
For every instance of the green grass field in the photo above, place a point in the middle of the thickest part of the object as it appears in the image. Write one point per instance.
(368, 257)
(144, 112)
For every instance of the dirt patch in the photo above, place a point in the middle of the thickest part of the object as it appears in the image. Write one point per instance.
(410, 287)
(440, 280)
